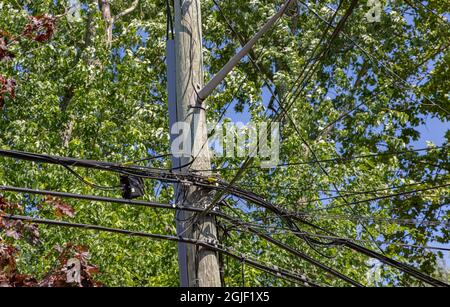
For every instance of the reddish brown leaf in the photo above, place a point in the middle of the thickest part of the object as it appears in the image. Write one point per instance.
(40, 28)
(7, 260)
(13, 233)
(61, 208)
(7, 86)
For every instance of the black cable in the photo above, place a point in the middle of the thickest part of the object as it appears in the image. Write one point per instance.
(340, 160)
(343, 242)
(271, 230)
(295, 252)
(230, 26)
(251, 197)
(218, 196)
(99, 199)
(384, 197)
(147, 159)
(376, 60)
(250, 159)
(157, 205)
(85, 181)
(170, 177)
(376, 219)
(444, 22)
(208, 245)
(143, 172)
(346, 192)
(190, 209)
(337, 30)
(158, 168)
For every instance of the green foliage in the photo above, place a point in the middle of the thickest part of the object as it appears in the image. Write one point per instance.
(77, 96)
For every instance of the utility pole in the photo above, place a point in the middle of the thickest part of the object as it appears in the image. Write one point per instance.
(199, 267)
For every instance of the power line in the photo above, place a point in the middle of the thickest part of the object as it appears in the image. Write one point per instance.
(274, 230)
(250, 159)
(251, 197)
(170, 28)
(99, 199)
(152, 205)
(120, 201)
(341, 160)
(211, 244)
(346, 192)
(376, 219)
(292, 251)
(325, 51)
(247, 195)
(424, 222)
(386, 197)
(291, 120)
(444, 22)
(160, 206)
(375, 59)
(342, 241)
(139, 171)
(337, 30)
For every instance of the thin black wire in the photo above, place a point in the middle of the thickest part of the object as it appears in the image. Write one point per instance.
(140, 203)
(212, 246)
(219, 195)
(405, 268)
(375, 59)
(302, 214)
(381, 220)
(346, 192)
(249, 160)
(128, 202)
(246, 164)
(277, 230)
(360, 249)
(163, 206)
(249, 196)
(338, 29)
(444, 22)
(96, 198)
(253, 61)
(385, 197)
(83, 180)
(333, 160)
(376, 219)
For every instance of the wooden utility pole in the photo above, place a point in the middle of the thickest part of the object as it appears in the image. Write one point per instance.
(198, 266)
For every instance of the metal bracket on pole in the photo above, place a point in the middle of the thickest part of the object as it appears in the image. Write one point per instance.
(195, 101)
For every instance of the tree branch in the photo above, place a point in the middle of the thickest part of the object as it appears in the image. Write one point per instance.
(127, 11)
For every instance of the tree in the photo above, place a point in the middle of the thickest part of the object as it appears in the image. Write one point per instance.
(96, 89)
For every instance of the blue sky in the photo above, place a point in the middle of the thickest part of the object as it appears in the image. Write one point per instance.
(433, 130)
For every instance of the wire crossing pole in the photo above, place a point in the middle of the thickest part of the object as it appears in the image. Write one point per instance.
(199, 266)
